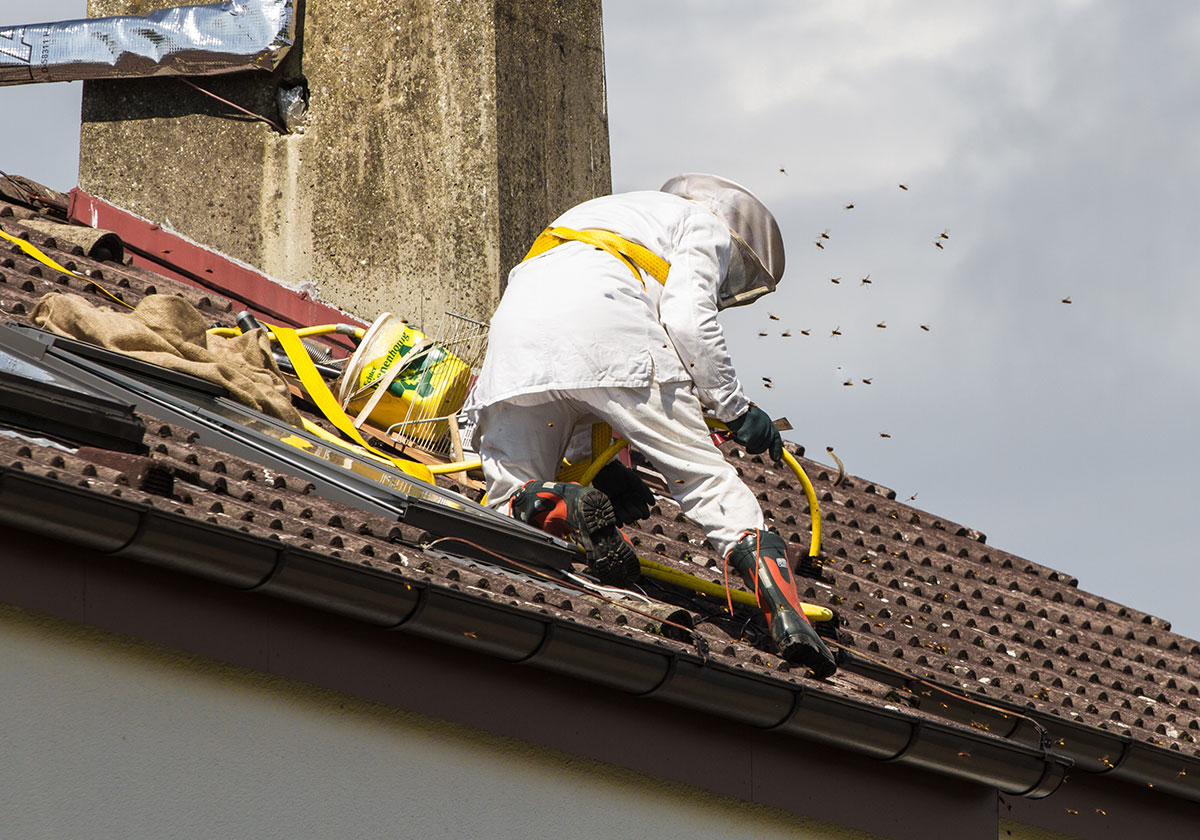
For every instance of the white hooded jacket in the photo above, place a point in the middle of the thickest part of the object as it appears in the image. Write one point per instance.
(576, 317)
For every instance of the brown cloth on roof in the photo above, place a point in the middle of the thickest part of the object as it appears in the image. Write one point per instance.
(169, 331)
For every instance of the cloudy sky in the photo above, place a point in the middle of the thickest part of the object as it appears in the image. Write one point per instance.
(1055, 143)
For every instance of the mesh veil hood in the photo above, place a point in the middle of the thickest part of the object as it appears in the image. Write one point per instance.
(757, 263)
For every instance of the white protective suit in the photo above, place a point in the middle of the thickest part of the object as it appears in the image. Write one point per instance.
(577, 337)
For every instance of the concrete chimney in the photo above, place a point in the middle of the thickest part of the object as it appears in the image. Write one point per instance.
(440, 137)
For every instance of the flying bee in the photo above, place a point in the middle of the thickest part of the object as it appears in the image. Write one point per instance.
(1067, 299)
(836, 332)
(766, 379)
(772, 317)
(848, 207)
(835, 280)
(788, 334)
(938, 244)
(866, 281)
(802, 332)
(825, 235)
(819, 245)
(867, 381)
(768, 385)
(882, 325)
(762, 335)
(944, 234)
(848, 383)
(925, 327)
(884, 435)
(912, 497)
(903, 187)
(784, 171)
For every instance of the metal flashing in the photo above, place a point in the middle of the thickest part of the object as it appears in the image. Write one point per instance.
(175, 256)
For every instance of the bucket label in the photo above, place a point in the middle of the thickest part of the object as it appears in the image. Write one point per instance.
(429, 387)
(417, 377)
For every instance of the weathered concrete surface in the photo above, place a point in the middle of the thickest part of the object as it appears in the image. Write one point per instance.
(441, 137)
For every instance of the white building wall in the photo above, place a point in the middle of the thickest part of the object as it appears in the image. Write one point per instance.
(103, 737)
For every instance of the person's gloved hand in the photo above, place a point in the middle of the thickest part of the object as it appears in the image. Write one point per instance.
(631, 498)
(755, 431)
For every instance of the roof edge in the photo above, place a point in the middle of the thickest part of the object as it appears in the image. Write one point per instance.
(41, 505)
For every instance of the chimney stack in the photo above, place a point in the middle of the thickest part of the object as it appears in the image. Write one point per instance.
(439, 138)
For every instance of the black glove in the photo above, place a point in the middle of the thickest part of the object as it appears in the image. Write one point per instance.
(755, 431)
(631, 498)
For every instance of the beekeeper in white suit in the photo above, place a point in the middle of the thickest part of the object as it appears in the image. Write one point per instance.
(613, 316)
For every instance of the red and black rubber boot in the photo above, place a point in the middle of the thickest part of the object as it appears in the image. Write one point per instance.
(584, 516)
(760, 557)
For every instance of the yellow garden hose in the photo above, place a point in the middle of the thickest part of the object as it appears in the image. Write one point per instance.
(601, 461)
(456, 466)
(668, 574)
(302, 332)
(814, 549)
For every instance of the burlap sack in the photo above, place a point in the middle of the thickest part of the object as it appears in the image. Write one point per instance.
(169, 331)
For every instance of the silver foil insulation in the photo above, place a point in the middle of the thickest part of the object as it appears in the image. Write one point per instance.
(185, 40)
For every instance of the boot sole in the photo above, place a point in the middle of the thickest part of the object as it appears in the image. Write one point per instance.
(609, 557)
(800, 645)
(592, 522)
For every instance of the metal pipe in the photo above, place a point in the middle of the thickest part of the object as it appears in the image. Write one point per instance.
(182, 41)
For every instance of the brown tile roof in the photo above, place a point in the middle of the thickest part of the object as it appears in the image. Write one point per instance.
(928, 611)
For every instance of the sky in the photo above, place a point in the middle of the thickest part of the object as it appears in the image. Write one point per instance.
(1056, 145)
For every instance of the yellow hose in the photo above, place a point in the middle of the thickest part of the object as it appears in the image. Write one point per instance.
(302, 332)
(667, 574)
(602, 460)
(456, 466)
(814, 549)
(814, 546)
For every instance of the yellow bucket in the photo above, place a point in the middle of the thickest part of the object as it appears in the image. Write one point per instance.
(430, 385)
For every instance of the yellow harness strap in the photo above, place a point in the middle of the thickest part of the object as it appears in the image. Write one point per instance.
(290, 343)
(634, 256)
(31, 251)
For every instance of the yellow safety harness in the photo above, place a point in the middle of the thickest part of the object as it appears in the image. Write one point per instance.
(634, 256)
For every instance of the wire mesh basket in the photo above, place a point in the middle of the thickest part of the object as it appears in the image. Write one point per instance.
(412, 384)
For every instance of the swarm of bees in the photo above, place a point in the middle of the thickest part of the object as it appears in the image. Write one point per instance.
(940, 241)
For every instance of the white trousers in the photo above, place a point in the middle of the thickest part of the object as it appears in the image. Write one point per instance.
(524, 439)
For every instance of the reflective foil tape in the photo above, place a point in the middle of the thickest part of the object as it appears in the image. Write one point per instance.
(186, 40)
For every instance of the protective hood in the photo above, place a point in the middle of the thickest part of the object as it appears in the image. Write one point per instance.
(756, 263)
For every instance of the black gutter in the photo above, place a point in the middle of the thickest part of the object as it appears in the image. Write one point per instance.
(485, 623)
(1092, 750)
